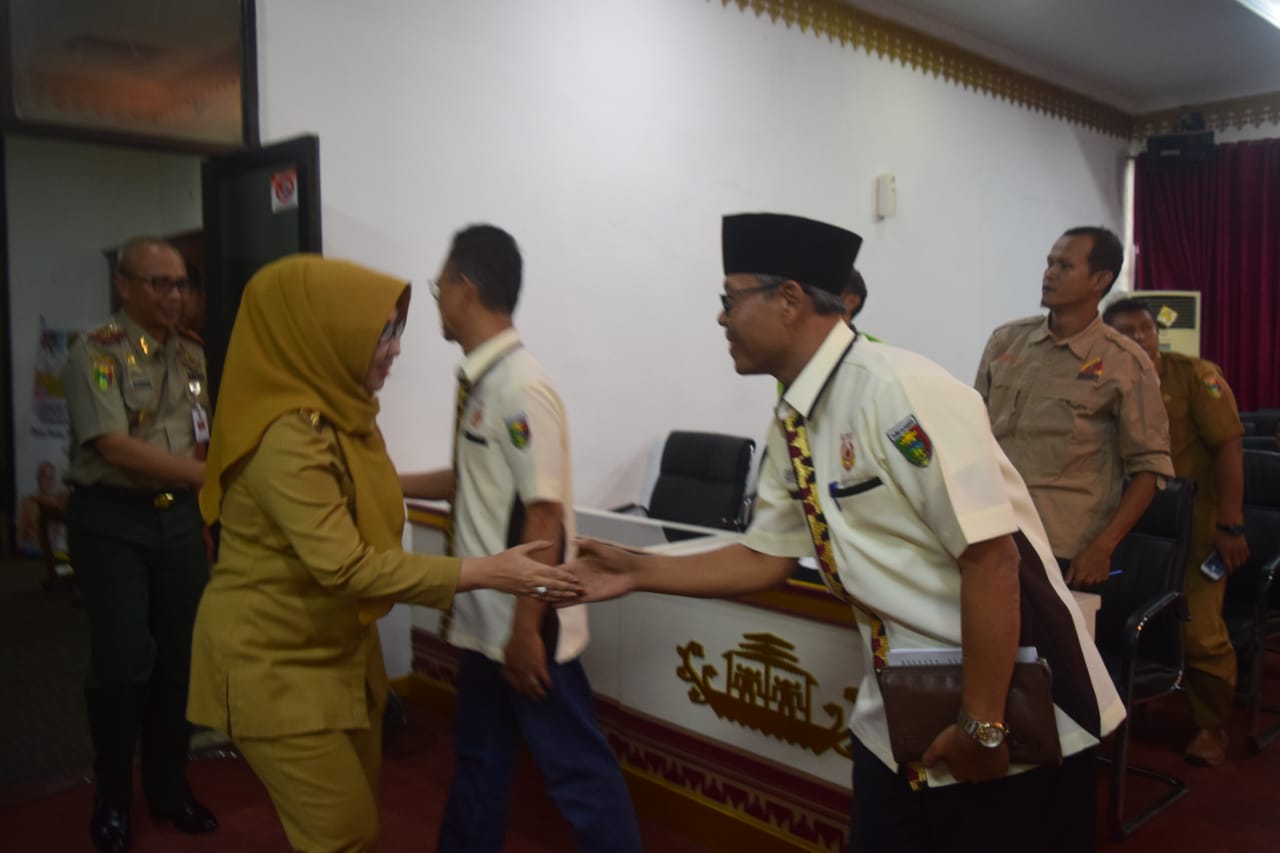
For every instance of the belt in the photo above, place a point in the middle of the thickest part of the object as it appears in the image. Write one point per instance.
(135, 497)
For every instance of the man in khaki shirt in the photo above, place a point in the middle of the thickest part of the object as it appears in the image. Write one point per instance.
(1076, 406)
(138, 400)
(1205, 439)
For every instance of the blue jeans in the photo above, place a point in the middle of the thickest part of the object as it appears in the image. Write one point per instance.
(576, 763)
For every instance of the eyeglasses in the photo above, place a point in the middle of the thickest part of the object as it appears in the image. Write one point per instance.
(728, 299)
(391, 332)
(161, 284)
(433, 284)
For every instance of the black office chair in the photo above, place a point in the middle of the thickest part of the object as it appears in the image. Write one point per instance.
(702, 480)
(1139, 633)
(1251, 605)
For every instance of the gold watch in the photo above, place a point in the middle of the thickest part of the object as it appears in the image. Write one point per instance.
(989, 735)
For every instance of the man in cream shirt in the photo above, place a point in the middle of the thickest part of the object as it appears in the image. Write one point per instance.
(889, 463)
(519, 677)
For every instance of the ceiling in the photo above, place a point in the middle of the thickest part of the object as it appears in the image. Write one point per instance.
(1138, 55)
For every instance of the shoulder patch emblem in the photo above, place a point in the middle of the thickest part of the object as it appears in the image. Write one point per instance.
(1092, 369)
(104, 372)
(518, 429)
(912, 441)
(1213, 386)
(846, 451)
(108, 334)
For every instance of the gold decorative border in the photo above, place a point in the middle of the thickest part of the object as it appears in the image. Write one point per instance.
(427, 516)
(1231, 114)
(930, 55)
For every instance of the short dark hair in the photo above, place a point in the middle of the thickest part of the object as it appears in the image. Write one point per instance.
(490, 258)
(1107, 254)
(857, 286)
(1127, 306)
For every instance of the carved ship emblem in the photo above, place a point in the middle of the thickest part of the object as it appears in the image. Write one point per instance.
(765, 690)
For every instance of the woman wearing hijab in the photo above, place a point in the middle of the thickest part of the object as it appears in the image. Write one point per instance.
(286, 657)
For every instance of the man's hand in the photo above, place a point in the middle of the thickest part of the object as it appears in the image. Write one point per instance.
(1091, 566)
(526, 664)
(1234, 550)
(605, 571)
(965, 758)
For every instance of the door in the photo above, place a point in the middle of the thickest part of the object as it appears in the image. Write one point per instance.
(259, 205)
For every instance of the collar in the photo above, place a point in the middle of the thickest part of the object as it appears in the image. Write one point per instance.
(803, 394)
(140, 341)
(482, 358)
(1077, 343)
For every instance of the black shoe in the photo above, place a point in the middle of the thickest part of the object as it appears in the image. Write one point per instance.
(109, 828)
(190, 817)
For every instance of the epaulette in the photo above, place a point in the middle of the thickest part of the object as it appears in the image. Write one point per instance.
(190, 335)
(107, 335)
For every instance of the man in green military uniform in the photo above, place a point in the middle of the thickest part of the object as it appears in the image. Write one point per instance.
(1205, 442)
(138, 399)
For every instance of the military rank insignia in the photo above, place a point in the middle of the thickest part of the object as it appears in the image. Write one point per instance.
(1092, 369)
(1213, 386)
(104, 373)
(912, 441)
(518, 429)
(107, 335)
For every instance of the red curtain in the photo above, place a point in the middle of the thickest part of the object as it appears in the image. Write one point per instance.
(1215, 228)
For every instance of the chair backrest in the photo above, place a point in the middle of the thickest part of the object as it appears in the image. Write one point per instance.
(1262, 531)
(1262, 421)
(1261, 442)
(702, 479)
(1150, 561)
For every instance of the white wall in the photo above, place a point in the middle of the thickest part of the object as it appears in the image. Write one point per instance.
(609, 136)
(66, 203)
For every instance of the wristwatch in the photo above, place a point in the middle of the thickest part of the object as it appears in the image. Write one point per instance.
(1232, 529)
(990, 735)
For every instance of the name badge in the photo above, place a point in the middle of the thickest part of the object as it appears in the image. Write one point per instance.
(200, 422)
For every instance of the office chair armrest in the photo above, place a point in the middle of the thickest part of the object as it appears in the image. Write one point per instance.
(1262, 599)
(1138, 620)
(632, 509)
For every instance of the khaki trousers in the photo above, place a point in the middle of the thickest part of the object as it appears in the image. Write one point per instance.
(324, 786)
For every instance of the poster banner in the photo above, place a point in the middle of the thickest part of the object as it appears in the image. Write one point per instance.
(41, 492)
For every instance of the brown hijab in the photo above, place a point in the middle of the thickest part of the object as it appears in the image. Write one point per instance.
(303, 338)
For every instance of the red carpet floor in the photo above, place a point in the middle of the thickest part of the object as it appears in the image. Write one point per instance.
(1230, 808)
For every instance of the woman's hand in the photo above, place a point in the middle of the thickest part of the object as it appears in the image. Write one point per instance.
(606, 571)
(516, 572)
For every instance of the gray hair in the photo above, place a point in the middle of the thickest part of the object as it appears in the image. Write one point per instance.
(134, 245)
(824, 301)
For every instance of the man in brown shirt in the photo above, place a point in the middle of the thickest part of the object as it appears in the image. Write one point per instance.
(1205, 440)
(1076, 406)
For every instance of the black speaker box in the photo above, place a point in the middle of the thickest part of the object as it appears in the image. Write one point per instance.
(1181, 149)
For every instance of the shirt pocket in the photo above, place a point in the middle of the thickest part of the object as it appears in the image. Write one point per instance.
(141, 396)
(855, 499)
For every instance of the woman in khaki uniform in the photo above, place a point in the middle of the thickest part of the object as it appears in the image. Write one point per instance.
(286, 657)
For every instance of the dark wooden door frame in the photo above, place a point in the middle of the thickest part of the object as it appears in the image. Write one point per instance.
(10, 124)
